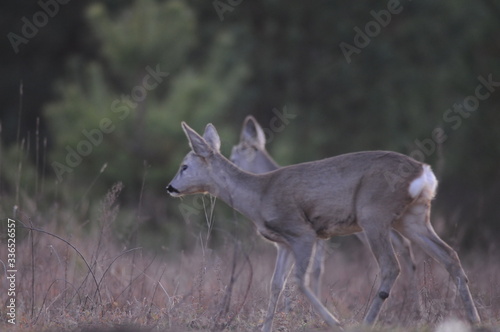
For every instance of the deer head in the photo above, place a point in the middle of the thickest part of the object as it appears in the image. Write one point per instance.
(250, 154)
(194, 176)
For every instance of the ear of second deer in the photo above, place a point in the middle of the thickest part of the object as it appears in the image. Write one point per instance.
(253, 133)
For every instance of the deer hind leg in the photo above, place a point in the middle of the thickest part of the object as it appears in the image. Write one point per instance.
(381, 247)
(416, 226)
(406, 259)
(302, 250)
(402, 247)
(284, 262)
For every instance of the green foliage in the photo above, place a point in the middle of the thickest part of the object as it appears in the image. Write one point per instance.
(93, 92)
(146, 33)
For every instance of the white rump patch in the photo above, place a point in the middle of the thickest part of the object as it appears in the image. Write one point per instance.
(425, 185)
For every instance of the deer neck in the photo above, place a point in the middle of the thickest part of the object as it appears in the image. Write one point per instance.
(238, 189)
(267, 161)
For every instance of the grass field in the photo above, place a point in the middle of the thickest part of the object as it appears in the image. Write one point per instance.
(71, 279)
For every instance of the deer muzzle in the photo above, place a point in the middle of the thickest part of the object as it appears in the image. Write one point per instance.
(172, 191)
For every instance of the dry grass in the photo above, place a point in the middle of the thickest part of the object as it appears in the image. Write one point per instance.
(74, 280)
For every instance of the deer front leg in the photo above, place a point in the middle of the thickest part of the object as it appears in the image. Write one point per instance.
(281, 271)
(302, 251)
(317, 266)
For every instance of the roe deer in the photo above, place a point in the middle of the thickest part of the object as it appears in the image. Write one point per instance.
(294, 205)
(251, 155)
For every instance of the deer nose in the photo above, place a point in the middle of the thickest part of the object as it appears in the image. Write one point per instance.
(172, 190)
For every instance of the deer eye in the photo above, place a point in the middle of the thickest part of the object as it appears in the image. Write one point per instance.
(184, 167)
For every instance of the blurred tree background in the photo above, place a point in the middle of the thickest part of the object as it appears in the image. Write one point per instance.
(105, 85)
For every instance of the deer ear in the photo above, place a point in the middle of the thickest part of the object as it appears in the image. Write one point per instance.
(212, 137)
(253, 133)
(199, 146)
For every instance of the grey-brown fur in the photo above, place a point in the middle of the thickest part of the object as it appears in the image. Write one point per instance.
(292, 204)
